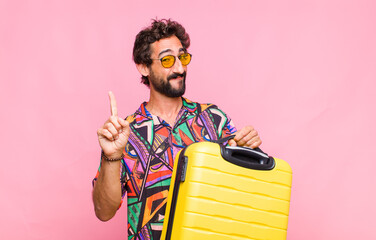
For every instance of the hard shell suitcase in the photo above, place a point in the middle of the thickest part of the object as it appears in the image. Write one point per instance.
(219, 193)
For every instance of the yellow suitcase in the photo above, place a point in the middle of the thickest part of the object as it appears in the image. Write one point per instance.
(220, 193)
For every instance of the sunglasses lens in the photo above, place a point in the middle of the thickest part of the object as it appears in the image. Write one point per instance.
(185, 59)
(168, 61)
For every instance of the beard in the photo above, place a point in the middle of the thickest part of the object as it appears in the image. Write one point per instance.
(164, 86)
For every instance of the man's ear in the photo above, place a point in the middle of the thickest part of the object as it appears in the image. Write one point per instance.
(143, 69)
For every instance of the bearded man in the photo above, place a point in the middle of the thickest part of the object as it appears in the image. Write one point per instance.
(138, 152)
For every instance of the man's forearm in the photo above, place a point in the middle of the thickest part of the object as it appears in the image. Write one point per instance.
(107, 190)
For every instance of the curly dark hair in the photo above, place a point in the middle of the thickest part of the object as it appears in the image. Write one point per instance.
(158, 30)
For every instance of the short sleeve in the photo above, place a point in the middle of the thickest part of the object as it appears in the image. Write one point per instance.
(222, 122)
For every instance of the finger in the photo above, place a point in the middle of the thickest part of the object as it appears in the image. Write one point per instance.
(111, 128)
(232, 143)
(113, 104)
(105, 133)
(256, 144)
(123, 123)
(245, 135)
(239, 135)
(115, 121)
(244, 131)
(253, 143)
(251, 136)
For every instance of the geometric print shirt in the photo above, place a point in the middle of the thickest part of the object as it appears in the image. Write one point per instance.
(149, 159)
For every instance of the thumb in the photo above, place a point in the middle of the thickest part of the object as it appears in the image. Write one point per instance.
(125, 127)
(232, 143)
(124, 123)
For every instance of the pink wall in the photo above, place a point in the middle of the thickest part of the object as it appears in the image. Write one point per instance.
(302, 72)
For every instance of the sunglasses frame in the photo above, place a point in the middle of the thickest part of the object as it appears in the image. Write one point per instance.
(160, 59)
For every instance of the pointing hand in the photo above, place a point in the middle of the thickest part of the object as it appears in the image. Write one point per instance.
(113, 135)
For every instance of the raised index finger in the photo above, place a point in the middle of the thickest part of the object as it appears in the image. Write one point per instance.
(113, 104)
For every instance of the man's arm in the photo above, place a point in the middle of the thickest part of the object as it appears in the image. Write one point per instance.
(112, 137)
(107, 190)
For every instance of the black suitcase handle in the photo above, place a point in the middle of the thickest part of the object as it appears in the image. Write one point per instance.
(248, 157)
(226, 139)
(244, 156)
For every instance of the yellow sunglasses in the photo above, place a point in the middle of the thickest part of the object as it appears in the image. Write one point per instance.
(169, 60)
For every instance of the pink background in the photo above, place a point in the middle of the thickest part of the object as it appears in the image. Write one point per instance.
(302, 72)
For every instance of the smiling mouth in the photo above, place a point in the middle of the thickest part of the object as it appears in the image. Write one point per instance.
(176, 76)
(175, 79)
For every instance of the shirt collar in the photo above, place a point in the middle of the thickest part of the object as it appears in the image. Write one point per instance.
(188, 108)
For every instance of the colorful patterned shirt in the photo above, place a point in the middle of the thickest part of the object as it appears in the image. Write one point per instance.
(149, 160)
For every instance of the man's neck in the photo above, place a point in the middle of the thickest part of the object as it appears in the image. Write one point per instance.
(164, 107)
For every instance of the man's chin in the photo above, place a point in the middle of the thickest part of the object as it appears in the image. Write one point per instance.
(176, 92)
(173, 88)
(176, 84)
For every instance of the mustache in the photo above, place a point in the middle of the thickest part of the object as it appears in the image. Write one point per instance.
(175, 75)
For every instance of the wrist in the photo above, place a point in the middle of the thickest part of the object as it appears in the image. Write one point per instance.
(112, 157)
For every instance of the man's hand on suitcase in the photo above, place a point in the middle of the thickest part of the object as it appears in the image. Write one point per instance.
(113, 135)
(246, 137)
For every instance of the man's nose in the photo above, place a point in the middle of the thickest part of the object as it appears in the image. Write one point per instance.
(178, 67)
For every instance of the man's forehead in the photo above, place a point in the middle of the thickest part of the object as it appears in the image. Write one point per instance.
(170, 45)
